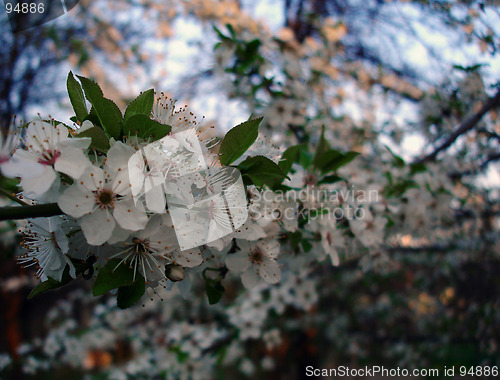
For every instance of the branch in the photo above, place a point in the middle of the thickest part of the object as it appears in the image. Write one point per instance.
(463, 128)
(12, 197)
(481, 168)
(24, 212)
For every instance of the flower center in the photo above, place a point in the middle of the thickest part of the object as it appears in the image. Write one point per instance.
(310, 179)
(141, 247)
(256, 256)
(49, 157)
(105, 199)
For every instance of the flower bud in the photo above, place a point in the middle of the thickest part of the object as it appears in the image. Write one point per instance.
(174, 272)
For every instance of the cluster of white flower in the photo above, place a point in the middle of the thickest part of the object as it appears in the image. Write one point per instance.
(120, 206)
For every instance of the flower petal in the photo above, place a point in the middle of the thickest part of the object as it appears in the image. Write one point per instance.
(189, 258)
(270, 271)
(72, 162)
(118, 156)
(237, 262)
(249, 278)
(34, 187)
(76, 201)
(129, 216)
(97, 227)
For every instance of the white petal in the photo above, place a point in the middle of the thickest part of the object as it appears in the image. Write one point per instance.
(55, 262)
(72, 162)
(270, 271)
(62, 240)
(35, 187)
(184, 287)
(238, 261)
(72, 269)
(80, 143)
(21, 164)
(97, 227)
(189, 258)
(129, 216)
(155, 200)
(121, 184)
(87, 124)
(76, 201)
(249, 278)
(119, 234)
(118, 156)
(334, 256)
(250, 231)
(92, 178)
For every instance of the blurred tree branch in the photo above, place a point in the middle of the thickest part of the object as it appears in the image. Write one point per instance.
(466, 126)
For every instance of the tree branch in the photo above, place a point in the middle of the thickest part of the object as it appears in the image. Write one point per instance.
(466, 126)
(481, 167)
(24, 212)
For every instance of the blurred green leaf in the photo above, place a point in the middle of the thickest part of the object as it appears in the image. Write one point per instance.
(113, 275)
(129, 295)
(289, 157)
(51, 284)
(214, 290)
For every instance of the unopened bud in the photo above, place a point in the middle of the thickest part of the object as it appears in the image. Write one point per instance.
(174, 272)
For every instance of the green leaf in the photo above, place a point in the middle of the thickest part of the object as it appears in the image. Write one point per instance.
(92, 116)
(214, 290)
(289, 157)
(129, 295)
(99, 142)
(305, 158)
(398, 161)
(320, 161)
(399, 188)
(143, 126)
(51, 284)
(331, 179)
(306, 245)
(76, 97)
(262, 171)
(333, 160)
(321, 149)
(93, 92)
(344, 160)
(109, 114)
(238, 140)
(113, 275)
(295, 238)
(141, 105)
(417, 168)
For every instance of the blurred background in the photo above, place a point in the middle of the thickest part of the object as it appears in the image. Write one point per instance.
(402, 74)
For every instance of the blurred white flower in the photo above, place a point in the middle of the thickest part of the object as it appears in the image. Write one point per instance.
(254, 260)
(369, 230)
